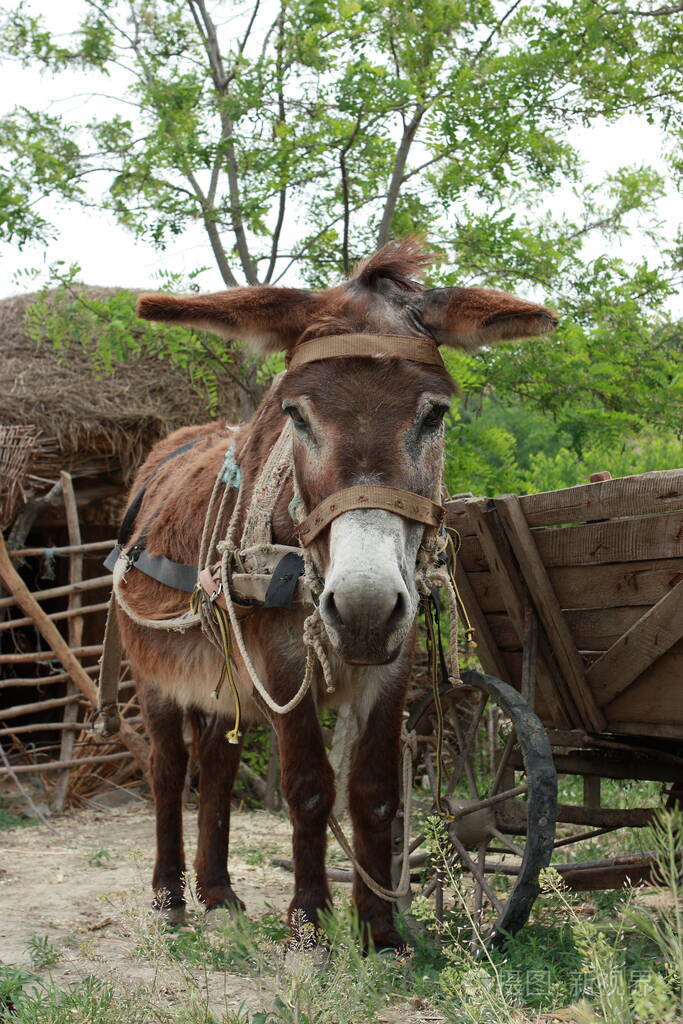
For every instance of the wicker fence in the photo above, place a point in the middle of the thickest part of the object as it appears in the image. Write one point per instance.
(47, 734)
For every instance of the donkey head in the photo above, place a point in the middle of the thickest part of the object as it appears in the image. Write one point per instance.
(364, 420)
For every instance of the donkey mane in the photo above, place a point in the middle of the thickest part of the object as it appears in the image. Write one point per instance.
(400, 262)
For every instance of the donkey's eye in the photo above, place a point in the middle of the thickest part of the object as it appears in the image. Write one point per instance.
(434, 418)
(296, 417)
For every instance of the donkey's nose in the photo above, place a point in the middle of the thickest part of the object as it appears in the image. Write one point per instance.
(363, 609)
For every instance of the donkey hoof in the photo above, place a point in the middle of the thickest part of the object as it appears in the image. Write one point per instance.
(305, 960)
(218, 915)
(171, 914)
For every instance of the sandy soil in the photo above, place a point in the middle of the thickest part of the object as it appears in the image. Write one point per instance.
(52, 885)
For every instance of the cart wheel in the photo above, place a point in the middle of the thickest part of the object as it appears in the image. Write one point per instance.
(487, 726)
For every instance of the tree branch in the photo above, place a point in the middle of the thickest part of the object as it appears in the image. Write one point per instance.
(211, 228)
(397, 174)
(221, 81)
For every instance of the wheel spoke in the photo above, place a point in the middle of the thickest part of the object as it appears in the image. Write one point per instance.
(465, 744)
(502, 764)
(478, 874)
(512, 847)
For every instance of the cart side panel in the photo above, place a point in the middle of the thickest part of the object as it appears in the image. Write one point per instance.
(611, 551)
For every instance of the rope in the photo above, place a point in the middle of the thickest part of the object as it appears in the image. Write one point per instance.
(403, 887)
(178, 623)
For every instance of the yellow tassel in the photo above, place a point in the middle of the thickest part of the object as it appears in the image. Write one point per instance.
(222, 620)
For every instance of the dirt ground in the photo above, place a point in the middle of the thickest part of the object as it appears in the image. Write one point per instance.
(64, 887)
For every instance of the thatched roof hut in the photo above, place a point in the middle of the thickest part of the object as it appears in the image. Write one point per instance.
(58, 413)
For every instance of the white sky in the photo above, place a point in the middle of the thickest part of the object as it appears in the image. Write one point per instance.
(108, 255)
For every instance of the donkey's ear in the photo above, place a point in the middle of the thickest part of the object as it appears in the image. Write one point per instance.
(269, 318)
(470, 317)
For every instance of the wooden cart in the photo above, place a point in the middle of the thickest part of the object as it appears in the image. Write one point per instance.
(576, 599)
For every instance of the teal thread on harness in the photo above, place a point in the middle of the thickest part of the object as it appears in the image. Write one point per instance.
(231, 474)
(293, 506)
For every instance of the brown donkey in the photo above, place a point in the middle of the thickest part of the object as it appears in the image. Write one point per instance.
(356, 420)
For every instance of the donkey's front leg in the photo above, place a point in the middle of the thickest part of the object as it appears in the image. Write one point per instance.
(308, 788)
(373, 802)
(218, 764)
(168, 762)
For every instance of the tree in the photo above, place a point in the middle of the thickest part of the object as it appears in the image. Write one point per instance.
(301, 134)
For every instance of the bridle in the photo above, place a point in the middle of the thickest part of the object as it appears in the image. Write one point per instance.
(404, 503)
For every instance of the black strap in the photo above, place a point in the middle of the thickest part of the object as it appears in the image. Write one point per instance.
(283, 583)
(160, 568)
(134, 507)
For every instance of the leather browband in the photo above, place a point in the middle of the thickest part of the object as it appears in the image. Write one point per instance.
(391, 499)
(339, 346)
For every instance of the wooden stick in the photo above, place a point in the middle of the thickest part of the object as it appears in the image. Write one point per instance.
(68, 549)
(75, 635)
(44, 595)
(51, 766)
(58, 677)
(26, 656)
(39, 705)
(86, 609)
(53, 727)
(133, 741)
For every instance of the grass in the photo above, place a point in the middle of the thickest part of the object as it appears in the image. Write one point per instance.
(98, 856)
(9, 819)
(616, 960)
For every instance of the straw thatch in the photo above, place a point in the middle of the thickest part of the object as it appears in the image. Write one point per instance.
(90, 424)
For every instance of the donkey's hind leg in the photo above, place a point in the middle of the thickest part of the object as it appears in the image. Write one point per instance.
(168, 763)
(218, 764)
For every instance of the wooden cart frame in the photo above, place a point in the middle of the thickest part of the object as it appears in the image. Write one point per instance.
(576, 597)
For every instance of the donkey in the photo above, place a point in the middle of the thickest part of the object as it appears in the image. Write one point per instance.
(359, 420)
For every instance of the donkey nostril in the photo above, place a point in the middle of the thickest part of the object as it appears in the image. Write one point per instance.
(399, 611)
(330, 610)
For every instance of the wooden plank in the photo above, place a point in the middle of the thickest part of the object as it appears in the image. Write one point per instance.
(548, 609)
(585, 586)
(655, 698)
(656, 731)
(593, 629)
(490, 536)
(619, 540)
(645, 493)
(652, 635)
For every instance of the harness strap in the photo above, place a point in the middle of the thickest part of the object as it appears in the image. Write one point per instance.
(108, 721)
(160, 568)
(339, 346)
(391, 499)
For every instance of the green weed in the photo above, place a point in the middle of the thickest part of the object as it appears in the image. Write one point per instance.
(10, 819)
(98, 856)
(42, 953)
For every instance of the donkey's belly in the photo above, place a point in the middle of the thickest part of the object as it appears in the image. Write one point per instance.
(186, 667)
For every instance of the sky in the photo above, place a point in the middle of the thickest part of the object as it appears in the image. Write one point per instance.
(109, 255)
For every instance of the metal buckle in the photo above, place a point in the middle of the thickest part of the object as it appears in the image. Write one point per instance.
(217, 592)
